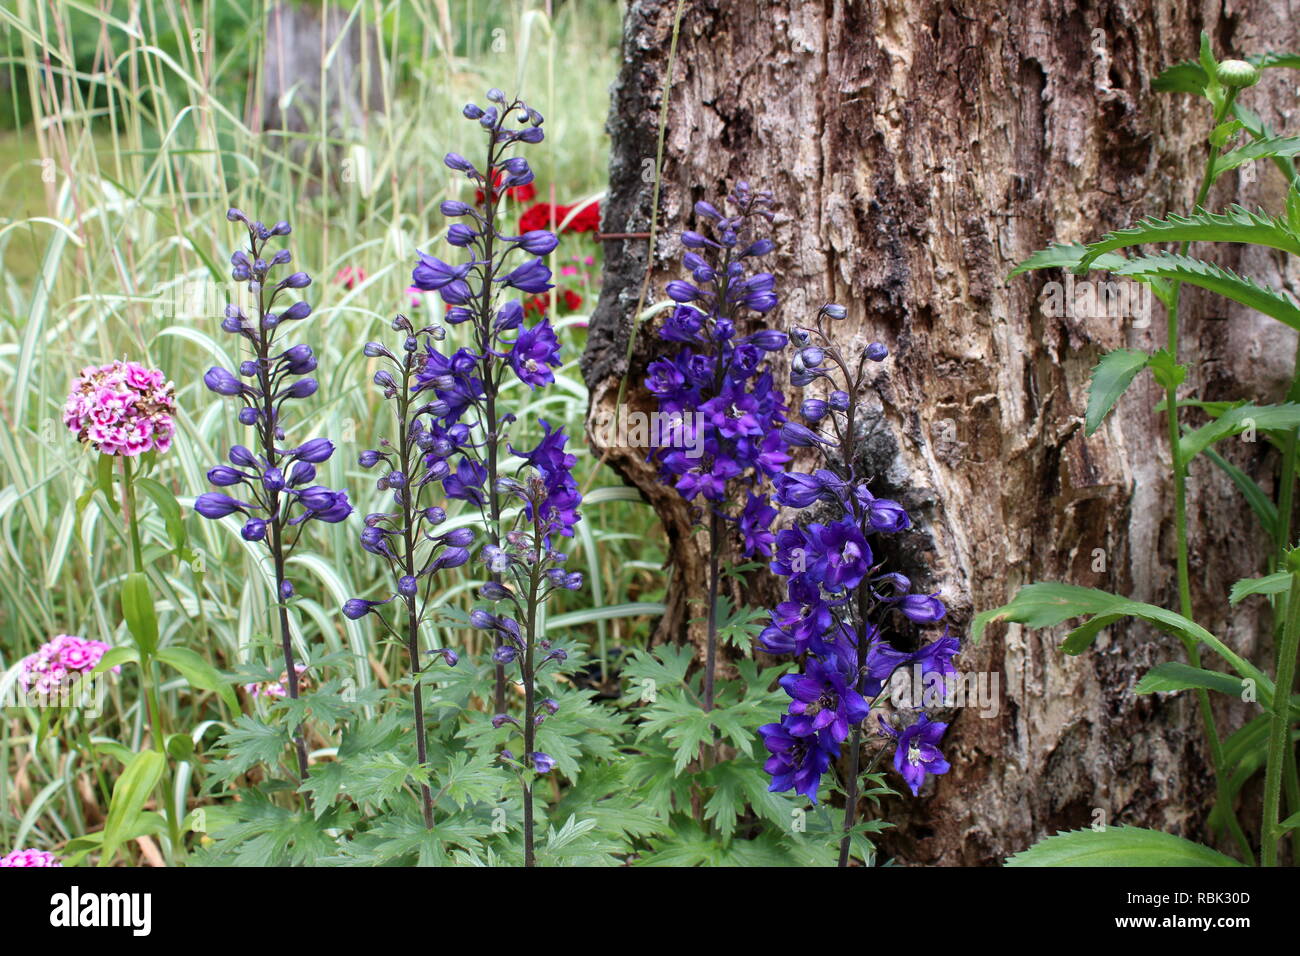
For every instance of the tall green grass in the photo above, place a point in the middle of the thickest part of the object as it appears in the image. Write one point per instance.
(139, 141)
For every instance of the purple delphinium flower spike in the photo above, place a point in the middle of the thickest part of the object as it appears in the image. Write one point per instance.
(465, 418)
(528, 569)
(839, 600)
(716, 387)
(276, 494)
(408, 538)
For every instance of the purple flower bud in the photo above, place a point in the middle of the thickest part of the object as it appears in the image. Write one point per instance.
(273, 479)
(481, 619)
(253, 530)
(459, 537)
(407, 586)
(453, 207)
(461, 235)
(471, 112)
(222, 382)
(680, 291)
(315, 451)
(303, 388)
(922, 608)
(368, 459)
(839, 400)
(299, 310)
(249, 416)
(769, 340)
(302, 473)
(493, 591)
(505, 654)
(550, 705)
(447, 654)
(298, 280)
(800, 436)
(458, 162)
(241, 456)
(538, 242)
(813, 409)
(834, 311)
(541, 762)
(213, 504)
(876, 352)
(222, 477)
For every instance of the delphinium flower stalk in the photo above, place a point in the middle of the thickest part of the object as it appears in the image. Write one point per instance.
(406, 538)
(471, 378)
(839, 601)
(717, 388)
(278, 496)
(529, 560)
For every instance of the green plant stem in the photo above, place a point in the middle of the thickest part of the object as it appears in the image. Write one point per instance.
(1282, 541)
(128, 505)
(1180, 527)
(147, 683)
(1280, 727)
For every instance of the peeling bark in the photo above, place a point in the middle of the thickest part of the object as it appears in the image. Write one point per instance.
(921, 150)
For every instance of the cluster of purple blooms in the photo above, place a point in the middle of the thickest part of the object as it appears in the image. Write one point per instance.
(529, 559)
(717, 388)
(407, 537)
(278, 483)
(278, 489)
(838, 598)
(466, 382)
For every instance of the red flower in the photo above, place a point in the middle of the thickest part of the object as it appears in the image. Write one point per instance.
(572, 301)
(350, 276)
(539, 217)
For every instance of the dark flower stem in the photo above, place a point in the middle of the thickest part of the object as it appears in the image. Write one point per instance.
(484, 322)
(276, 513)
(711, 648)
(530, 691)
(412, 613)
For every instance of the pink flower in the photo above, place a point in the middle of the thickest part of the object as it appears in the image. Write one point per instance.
(30, 857)
(278, 688)
(122, 408)
(59, 661)
(350, 276)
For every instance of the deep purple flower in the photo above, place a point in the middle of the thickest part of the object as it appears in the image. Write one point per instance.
(917, 751)
(797, 762)
(532, 351)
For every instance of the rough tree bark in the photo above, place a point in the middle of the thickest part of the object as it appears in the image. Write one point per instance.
(921, 149)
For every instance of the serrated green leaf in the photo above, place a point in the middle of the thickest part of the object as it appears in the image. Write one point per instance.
(1048, 603)
(1174, 675)
(1064, 256)
(1259, 149)
(1207, 275)
(1261, 418)
(1110, 379)
(1269, 584)
(1237, 224)
(1119, 846)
